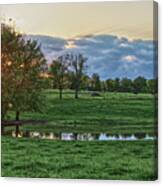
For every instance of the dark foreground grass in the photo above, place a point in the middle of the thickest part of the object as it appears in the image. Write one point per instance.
(24, 157)
(111, 112)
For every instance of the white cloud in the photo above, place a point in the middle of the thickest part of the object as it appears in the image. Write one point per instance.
(129, 58)
(125, 45)
(108, 55)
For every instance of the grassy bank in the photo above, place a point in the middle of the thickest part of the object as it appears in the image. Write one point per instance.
(23, 157)
(110, 112)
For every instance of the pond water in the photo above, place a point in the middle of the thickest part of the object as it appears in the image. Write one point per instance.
(84, 136)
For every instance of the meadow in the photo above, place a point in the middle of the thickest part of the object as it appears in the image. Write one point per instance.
(113, 113)
(109, 112)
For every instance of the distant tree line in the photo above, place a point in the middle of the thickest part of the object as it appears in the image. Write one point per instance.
(137, 85)
(68, 72)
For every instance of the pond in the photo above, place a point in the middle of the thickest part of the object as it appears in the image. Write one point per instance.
(69, 136)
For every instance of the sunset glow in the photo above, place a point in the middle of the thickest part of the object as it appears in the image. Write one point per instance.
(70, 20)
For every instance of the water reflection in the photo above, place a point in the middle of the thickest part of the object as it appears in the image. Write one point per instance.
(83, 136)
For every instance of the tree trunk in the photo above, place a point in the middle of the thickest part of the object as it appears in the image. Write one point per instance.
(2, 115)
(17, 126)
(60, 93)
(2, 129)
(3, 112)
(17, 130)
(54, 84)
(17, 115)
(76, 93)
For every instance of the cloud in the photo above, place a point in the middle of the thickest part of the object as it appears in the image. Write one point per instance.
(51, 46)
(129, 58)
(109, 56)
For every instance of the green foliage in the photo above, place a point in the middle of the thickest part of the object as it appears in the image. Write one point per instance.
(126, 85)
(95, 83)
(139, 84)
(110, 85)
(68, 71)
(152, 86)
(78, 66)
(22, 65)
(117, 84)
(10, 44)
(86, 82)
(58, 70)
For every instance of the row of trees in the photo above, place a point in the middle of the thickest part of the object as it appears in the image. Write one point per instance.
(137, 85)
(76, 79)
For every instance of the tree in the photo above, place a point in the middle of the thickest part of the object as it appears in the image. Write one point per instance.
(110, 85)
(86, 82)
(59, 68)
(23, 63)
(10, 44)
(139, 85)
(30, 63)
(77, 67)
(96, 84)
(117, 84)
(152, 86)
(126, 85)
(103, 86)
(70, 81)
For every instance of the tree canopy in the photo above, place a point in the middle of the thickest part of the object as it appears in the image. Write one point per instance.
(22, 65)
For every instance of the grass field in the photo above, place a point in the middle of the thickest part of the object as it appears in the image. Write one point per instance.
(70, 159)
(111, 112)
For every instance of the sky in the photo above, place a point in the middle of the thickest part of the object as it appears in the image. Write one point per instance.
(116, 37)
(129, 19)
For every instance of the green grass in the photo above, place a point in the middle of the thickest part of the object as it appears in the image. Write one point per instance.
(112, 112)
(23, 157)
